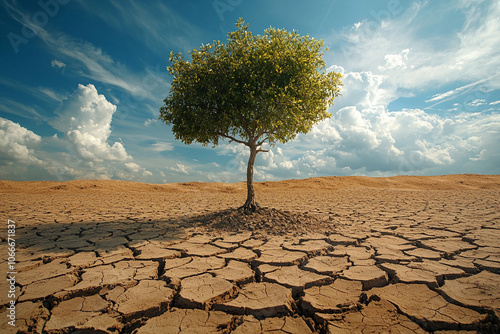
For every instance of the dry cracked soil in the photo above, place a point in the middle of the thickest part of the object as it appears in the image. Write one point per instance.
(334, 255)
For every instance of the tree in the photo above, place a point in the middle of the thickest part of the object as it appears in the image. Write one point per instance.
(250, 90)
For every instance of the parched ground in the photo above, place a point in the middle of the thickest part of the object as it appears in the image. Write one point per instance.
(325, 255)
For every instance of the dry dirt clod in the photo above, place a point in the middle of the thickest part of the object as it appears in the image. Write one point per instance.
(146, 298)
(280, 256)
(203, 290)
(85, 313)
(370, 276)
(479, 291)
(194, 266)
(125, 273)
(378, 317)
(339, 296)
(31, 317)
(236, 271)
(240, 253)
(327, 265)
(427, 307)
(48, 287)
(186, 321)
(406, 274)
(260, 300)
(272, 325)
(295, 278)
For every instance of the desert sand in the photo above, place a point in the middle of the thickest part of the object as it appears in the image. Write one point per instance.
(330, 255)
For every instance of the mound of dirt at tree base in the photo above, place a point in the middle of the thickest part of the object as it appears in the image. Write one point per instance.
(268, 220)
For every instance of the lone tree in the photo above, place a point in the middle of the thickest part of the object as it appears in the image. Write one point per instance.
(250, 90)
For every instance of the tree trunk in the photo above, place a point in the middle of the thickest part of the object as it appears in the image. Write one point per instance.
(250, 204)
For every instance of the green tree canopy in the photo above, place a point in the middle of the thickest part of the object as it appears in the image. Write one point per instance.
(251, 90)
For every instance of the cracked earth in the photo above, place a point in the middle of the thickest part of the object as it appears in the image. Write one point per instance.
(339, 255)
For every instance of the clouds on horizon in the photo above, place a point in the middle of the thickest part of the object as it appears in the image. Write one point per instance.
(83, 150)
(364, 138)
(17, 144)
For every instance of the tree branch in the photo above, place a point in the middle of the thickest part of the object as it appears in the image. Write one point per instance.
(233, 139)
(261, 132)
(247, 130)
(262, 141)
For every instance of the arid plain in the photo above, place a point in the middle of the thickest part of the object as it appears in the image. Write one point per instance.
(330, 255)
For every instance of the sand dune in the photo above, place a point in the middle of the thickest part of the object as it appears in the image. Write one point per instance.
(444, 182)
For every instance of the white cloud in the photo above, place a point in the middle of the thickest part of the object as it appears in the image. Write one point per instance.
(442, 96)
(136, 169)
(98, 65)
(396, 61)
(150, 121)
(470, 52)
(286, 165)
(52, 94)
(179, 168)
(85, 119)
(389, 58)
(93, 63)
(43, 93)
(456, 92)
(160, 146)
(18, 109)
(477, 102)
(364, 89)
(57, 63)
(17, 144)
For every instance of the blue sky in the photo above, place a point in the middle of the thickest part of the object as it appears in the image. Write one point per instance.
(82, 82)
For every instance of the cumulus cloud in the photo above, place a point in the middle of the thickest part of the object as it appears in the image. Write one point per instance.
(17, 144)
(363, 137)
(385, 59)
(365, 90)
(84, 151)
(396, 61)
(85, 119)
